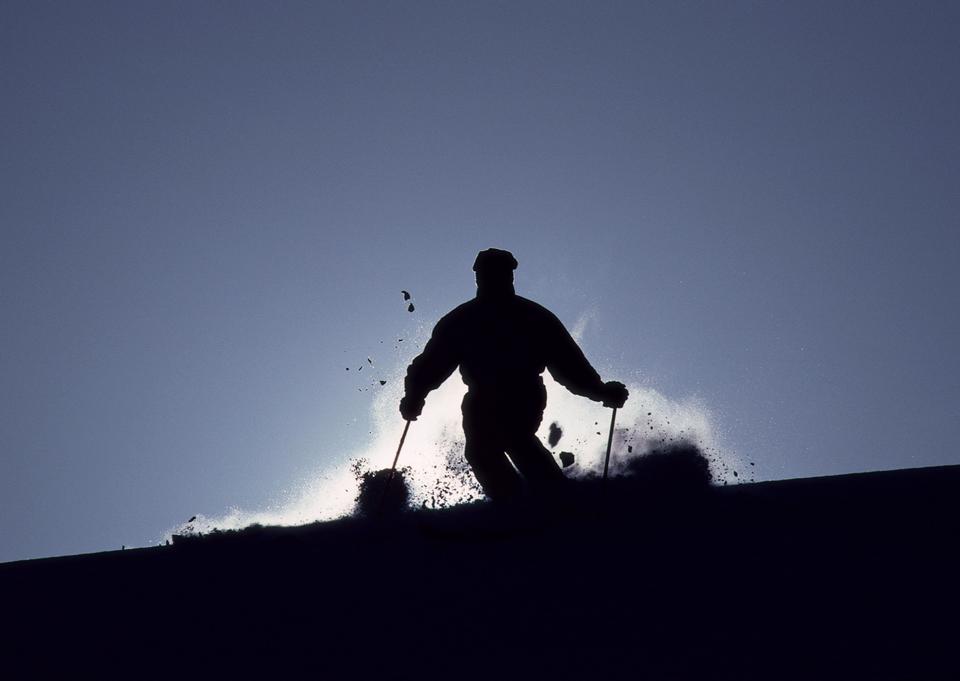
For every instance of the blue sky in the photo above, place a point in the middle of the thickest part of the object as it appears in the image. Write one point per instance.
(208, 211)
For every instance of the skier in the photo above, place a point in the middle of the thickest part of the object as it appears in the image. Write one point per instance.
(502, 344)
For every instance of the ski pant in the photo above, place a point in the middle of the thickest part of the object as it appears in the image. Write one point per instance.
(502, 429)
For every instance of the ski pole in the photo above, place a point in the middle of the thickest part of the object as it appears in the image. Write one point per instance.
(606, 462)
(393, 468)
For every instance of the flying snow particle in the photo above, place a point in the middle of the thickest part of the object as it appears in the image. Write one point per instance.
(556, 432)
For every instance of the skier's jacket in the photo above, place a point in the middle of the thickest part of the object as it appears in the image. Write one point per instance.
(502, 345)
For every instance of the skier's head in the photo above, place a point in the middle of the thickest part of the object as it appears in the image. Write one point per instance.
(494, 270)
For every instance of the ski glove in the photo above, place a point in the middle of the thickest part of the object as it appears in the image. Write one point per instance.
(410, 409)
(614, 394)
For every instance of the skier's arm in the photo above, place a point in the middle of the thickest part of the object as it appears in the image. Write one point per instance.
(568, 365)
(431, 368)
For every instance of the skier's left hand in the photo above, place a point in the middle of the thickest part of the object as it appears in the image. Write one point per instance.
(615, 394)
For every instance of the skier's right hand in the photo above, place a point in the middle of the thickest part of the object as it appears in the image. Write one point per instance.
(410, 409)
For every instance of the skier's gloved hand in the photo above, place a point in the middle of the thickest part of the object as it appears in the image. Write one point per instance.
(410, 409)
(614, 394)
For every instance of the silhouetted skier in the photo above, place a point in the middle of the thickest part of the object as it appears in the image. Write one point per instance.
(502, 343)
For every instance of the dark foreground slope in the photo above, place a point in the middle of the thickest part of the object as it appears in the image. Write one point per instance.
(845, 577)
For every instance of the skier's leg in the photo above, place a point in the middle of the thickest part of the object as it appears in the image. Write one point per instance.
(493, 470)
(533, 460)
(484, 451)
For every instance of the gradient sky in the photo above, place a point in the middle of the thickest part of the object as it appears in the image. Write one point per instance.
(208, 211)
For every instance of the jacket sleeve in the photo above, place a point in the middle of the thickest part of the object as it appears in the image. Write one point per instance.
(434, 365)
(568, 365)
